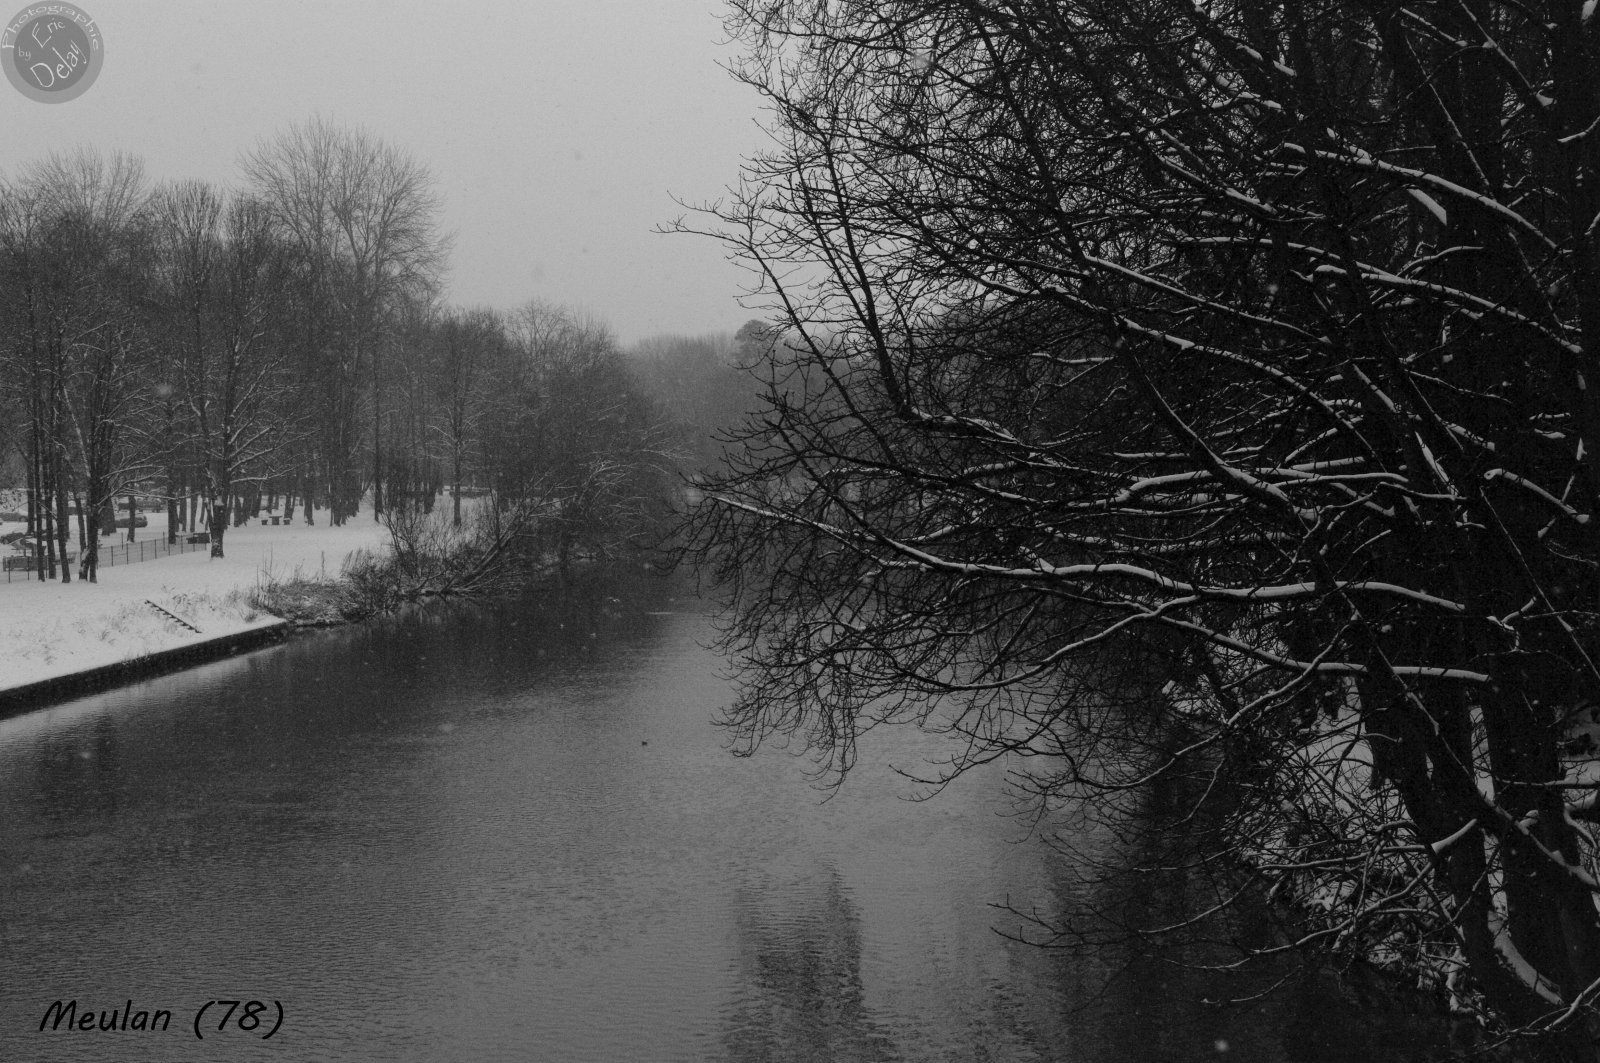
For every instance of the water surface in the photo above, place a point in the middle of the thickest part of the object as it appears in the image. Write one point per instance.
(513, 833)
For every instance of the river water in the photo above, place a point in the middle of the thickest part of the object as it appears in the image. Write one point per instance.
(513, 833)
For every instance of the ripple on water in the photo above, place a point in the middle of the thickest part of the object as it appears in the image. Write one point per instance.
(482, 840)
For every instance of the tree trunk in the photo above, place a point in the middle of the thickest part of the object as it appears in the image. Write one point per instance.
(455, 514)
(90, 567)
(377, 438)
(33, 486)
(44, 540)
(219, 525)
(39, 507)
(63, 524)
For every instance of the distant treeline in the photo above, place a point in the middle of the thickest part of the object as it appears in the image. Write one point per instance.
(284, 344)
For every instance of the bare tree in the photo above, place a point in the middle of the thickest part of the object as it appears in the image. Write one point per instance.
(700, 387)
(469, 346)
(223, 288)
(361, 215)
(575, 427)
(76, 248)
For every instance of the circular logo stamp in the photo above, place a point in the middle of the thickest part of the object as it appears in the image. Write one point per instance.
(51, 52)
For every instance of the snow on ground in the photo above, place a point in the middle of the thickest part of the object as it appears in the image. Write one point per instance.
(53, 629)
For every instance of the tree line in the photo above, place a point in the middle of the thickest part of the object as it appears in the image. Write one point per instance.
(1199, 395)
(284, 345)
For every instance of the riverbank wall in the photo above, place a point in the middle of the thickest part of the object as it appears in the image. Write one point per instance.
(60, 640)
(22, 699)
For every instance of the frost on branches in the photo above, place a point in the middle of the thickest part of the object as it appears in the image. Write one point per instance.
(1245, 345)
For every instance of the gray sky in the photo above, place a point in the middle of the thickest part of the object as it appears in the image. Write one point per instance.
(556, 129)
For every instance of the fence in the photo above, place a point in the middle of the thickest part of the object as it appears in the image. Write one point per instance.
(23, 567)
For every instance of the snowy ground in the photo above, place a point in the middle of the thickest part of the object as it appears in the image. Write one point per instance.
(50, 629)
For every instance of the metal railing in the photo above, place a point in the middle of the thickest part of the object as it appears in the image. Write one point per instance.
(20, 568)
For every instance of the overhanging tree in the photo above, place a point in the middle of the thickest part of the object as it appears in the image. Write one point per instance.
(1252, 337)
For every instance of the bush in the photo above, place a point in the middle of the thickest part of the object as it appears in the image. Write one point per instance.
(308, 603)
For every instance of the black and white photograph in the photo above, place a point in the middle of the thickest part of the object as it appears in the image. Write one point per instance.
(800, 531)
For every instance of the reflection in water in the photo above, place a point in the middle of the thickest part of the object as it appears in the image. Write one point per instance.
(512, 832)
(1183, 993)
(800, 992)
(77, 775)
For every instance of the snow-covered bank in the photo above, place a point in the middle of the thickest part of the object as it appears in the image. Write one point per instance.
(49, 630)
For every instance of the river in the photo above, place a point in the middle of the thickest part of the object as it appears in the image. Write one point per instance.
(513, 833)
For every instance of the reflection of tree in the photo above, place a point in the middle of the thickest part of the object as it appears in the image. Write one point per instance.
(1149, 995)
(79, 774)
(800, 967)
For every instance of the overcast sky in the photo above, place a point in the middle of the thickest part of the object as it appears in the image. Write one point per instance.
(557, 130)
